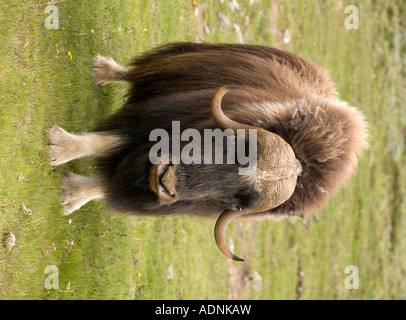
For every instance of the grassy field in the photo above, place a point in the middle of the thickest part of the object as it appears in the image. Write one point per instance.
(102, 255)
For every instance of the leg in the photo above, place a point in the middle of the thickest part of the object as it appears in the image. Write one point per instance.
(66, 146)
(106, 70)
(78, 190)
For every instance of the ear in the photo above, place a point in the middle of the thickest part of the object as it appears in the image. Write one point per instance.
(248, 199)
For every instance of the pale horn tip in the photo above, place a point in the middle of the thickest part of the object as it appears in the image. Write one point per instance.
(233, 87)
(235, 258)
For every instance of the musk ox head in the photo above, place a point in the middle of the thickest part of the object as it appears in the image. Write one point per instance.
(267, 185)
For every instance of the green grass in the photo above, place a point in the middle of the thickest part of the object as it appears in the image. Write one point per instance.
(102, 255)
(93, 249)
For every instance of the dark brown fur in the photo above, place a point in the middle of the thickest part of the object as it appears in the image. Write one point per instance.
(281, 92)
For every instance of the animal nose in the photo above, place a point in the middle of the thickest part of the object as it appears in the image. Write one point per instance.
(168, 180)
(163, 182)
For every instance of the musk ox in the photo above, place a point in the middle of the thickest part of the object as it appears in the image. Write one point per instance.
(307, 143)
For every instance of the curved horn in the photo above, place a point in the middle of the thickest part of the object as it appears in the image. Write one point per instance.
(276, 171)
(221, 119)
(225, 122)
(223, 220)
(227, 216)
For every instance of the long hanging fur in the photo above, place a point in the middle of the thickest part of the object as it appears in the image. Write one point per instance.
(281, 92)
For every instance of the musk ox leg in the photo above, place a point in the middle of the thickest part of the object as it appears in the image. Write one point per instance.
(65, 146)
(106, 70)
(78, 190)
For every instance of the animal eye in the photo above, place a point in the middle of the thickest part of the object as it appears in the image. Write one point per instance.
(239, 208)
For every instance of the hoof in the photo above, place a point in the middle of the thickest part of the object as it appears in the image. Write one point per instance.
(106, 70)
(61, 143)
